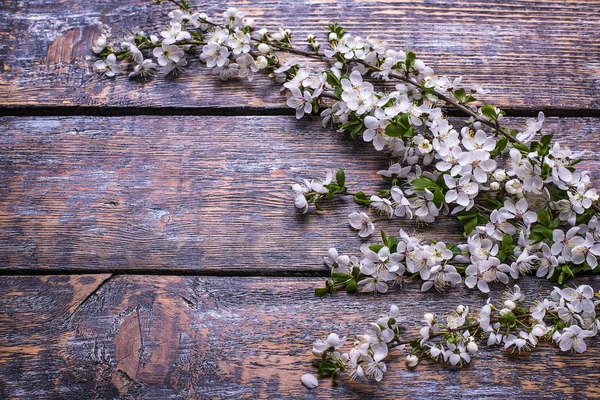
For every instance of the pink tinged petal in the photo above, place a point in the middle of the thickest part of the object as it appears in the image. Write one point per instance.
(367, 269)
(381, 287)
(581, 346)
(368, 135)
(371, 122)
(454, 359)
(462, 199)
(451, 196)
(483, 286)
(387, 335)
(480, 176)
(471, 281)
(591, 260)
(309, 381)
(565, 344)
(367, 230)
(379, 142)
(383, 253)
(449, 181)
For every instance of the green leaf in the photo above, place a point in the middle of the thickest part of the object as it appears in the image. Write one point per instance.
(320, 292)
(327, 369)
(507, 240)
(546, 139)
(340, 277)
(461, 95)
(394, 130)
(489, 112)
(470, 225)
(384, 237)
(521, 147)
(376, 247)
(351, 286)
(356, 272)
(500, 146)
(438, 197)
(340, 178)
(410, 59)
(424, 182)
(540, 232)
(332, 79)
(362, 199)
(544, 217)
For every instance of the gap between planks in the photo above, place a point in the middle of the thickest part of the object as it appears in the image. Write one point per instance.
(307, 273)
(67, 111)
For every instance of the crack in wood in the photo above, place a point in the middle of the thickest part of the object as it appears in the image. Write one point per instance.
(93, 292)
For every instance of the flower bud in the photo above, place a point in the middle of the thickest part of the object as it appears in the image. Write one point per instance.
(412, 361)
(310, 37)
(333, 36)
(504, 311)
(249, 22)
(262, 32)
(494, 186)
(264, 48)
(419, 65)
(472, 347)
(499, 175)
(428, 317)
(261, 62)
(460, 309)
(514, 186)
(509, 304)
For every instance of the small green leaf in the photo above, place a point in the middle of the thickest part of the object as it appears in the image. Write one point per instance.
(544, 217)
(521, 147)
(340, 277)
(376, 247)
(546, 140)
(384, 237)
(470, 225)
(351, 285)
(507, 240)
(362, 199)
(410, 59)
(461, 95)
(500, 146)
(489, 112)
(340, 178)
(332, 79)
(320, 292)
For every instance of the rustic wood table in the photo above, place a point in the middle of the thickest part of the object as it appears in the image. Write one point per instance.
(149, 247)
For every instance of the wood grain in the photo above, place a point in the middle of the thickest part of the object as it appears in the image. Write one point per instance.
(530, 55)
(197, 338)
(203, 194)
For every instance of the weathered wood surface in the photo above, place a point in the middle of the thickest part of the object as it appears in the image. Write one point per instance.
(96, 336)
(530, 55)
(188, 193)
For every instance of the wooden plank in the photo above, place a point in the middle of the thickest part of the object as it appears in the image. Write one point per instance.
(188, 193)
(537, 55)
(187, 337)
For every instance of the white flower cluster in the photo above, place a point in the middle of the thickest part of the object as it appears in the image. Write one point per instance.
(366, 358)
(568, 317)
(226, 48)
(524, 206)
(383, 265)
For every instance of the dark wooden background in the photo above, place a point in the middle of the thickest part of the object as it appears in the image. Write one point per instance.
(149, 247)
